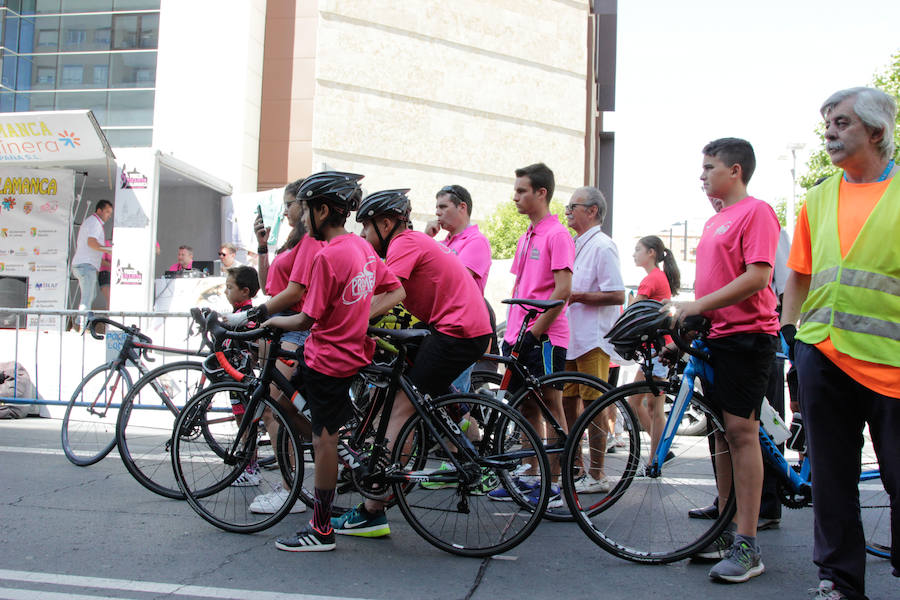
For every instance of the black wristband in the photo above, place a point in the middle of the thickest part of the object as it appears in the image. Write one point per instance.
(262, 250)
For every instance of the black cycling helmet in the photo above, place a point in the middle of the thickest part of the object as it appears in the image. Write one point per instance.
(391, 203)
(339, 191)
(639, 327)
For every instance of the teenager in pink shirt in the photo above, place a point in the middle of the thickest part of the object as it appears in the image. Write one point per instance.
(543, 266)
(735, 258)
(440, 293)
(345, 276)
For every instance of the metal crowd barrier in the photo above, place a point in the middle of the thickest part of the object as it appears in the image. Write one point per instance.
(57, 358)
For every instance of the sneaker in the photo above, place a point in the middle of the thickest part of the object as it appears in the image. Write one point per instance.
(719, 546)
(589, 485)
(707, 512)
(358, 521)
(740, 564)
(554, 501)
(611, 444)
(530, 489)
(440, 485)
(763, 523)
(308, 539)
(267, 504)
(249, 478)
(826, 591)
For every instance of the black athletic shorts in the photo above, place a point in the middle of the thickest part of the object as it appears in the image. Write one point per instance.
(741, 365)
(328, 399)
(103, 277)
(441, 358)
(543, 359)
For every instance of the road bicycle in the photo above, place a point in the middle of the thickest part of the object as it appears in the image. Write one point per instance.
(644, 518)
(89, 424)
(530, 394)
(453, 515)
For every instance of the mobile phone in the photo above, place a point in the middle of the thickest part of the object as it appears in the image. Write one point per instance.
(259, 212)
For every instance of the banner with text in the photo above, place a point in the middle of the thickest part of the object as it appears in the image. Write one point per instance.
(35, 214)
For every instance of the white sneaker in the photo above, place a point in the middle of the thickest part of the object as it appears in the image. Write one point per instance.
(589, 485)
(268, 504)
(247, 479)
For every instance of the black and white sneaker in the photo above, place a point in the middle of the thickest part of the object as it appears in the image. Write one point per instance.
(308, 539)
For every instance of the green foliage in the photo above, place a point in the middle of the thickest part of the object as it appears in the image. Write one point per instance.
(504, 228)
(819, 164)
(781, 211)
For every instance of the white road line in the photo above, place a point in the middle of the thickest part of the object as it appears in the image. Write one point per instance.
(24, 450)
(144, 586)
(17, 594)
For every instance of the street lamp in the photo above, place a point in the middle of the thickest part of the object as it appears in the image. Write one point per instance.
(789, 213)
(685, 236)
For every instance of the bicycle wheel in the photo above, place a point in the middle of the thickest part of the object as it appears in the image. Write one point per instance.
(144, 428)
(207, 471)
(589, 386)
(874, 504)
(645, 519)
(456, 514)
(89, 425)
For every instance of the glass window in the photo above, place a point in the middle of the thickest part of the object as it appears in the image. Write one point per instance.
(133, 69)
(101, 75)
(45, 73)
(46, 76)
(72, 75)
(48, 39)
(103, 37)
(74, 6)
(136, 4)
(8, 69)
(7, 101)
(128, 107)
(80, 32)
(75, 37)
(34, 101)
(46, 6)
(129, 138)
(95, 101)
(131, 31)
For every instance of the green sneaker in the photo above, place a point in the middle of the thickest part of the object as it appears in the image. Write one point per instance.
(740, 564)
(360, 522)
(445, 468)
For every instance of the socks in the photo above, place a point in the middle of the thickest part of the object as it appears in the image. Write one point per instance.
(751, 541)
(322, 510)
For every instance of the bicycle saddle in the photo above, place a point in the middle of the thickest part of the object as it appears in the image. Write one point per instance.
(542, 304)
(399, 335)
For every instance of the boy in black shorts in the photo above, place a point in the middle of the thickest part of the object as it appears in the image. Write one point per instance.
(735, 258)
(345, 276)
(439, 292)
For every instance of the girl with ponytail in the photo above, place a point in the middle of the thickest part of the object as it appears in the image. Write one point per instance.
(657, 285)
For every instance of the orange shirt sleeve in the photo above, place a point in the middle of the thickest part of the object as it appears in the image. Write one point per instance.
(800, 259)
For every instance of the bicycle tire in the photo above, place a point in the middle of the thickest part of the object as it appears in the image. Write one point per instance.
(205, 477)
(645, 519)
(460, 518)
(874, 504)
(561, 378)
(144, 427)
(87, 437)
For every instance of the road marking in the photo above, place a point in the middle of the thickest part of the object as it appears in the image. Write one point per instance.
(24, 450)
(18, 594)
(149, 587)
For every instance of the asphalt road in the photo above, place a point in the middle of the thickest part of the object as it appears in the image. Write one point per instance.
(85, 533)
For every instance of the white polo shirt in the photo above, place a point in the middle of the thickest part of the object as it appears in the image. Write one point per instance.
(596, 269)
(84, 254)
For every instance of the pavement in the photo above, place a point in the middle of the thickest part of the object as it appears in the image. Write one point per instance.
(83, 533)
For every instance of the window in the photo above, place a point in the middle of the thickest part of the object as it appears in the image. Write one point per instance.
(72, 74)
(129, 138)
(101, 75)
(128, 107)
(46, 76)
(48, 39)
(75, 37)
(103, 36)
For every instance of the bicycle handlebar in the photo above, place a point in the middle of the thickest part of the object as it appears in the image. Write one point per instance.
(129, 329)
(211, 324)
(695, 323)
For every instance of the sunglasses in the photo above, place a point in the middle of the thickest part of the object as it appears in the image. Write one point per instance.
(221, 254)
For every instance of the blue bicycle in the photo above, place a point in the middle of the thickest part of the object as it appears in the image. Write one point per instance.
(644, 517)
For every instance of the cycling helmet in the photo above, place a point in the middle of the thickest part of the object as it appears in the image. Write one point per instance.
(339, 191)
(386, 202)
(639, 329)
(391, 203)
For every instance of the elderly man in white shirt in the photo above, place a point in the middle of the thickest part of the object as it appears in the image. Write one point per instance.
(594, 305)
(89, 250)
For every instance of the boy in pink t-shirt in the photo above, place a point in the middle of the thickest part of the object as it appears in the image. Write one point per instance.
(345, 276)
(735, 258)
(442, 294)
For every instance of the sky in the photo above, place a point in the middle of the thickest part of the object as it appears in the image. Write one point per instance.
(692, 71)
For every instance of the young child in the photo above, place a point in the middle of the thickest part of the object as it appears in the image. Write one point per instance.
(241, 285)
(735, 258)
(346, 274)
(657, 285)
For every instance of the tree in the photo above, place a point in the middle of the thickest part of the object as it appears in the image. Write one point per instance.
(504, 228)
(819, 164)
(781, 211)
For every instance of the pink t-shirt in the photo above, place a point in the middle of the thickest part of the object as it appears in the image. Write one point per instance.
(736, 236)
(439, 289)
(474, 250)
(345, 275)
(545, 248)
(176, 266)
(292, 265)
(655, 286)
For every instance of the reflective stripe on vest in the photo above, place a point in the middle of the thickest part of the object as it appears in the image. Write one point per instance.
(855, 299)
